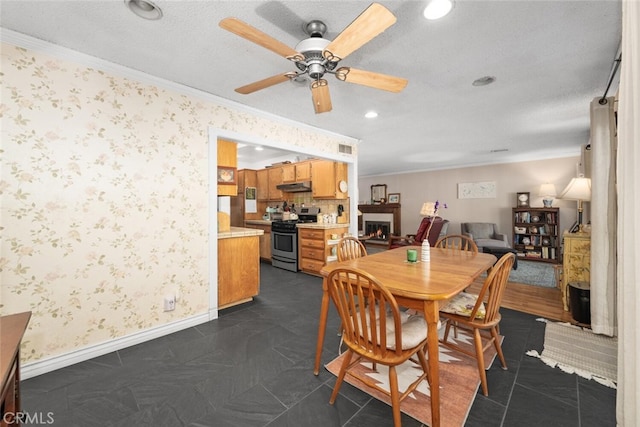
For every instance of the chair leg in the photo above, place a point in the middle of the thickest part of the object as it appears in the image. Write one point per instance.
(341, 374)
(423, 362)
(496, 343)
(446, 330)
(480, 358)
(395, 395)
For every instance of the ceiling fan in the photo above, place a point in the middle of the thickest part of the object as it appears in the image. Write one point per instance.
(317, 56)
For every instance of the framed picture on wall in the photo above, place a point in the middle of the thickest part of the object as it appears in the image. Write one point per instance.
(394, 197)
(226, 175)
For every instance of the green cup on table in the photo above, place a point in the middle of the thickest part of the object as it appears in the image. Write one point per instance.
(412, 255)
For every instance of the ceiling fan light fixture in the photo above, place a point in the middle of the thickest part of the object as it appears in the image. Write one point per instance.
(144, 9)
(437, 9)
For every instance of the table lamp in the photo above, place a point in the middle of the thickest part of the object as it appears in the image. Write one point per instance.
(547, 192)
(578, 189)
(428, 209)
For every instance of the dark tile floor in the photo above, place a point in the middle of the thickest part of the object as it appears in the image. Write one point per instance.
(253, 367)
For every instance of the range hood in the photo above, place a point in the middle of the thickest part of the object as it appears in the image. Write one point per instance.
(297, 187)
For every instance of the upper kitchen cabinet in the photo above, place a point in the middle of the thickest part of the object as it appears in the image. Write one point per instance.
(329, 179)
(296, 172)
(263, 184)
(227, 168)
(289, 173)
(303, 171)
(268, 180)
(275, 179)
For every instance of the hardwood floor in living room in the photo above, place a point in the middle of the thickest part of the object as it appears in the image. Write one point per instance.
(537, 300)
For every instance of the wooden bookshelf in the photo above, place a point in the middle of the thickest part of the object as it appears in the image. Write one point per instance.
(535, 234)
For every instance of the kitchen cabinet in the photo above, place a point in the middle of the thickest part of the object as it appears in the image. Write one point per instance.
(267, 181)
(326, 176)
(238, 268)
(576, 262)
(265, 239)
(227, 157)
(303, 171)
(262, 176)
(296, 172)
(275, 179)
(289, 173)
(313, 249)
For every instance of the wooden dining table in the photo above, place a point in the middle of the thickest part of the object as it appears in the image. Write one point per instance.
(420, 286)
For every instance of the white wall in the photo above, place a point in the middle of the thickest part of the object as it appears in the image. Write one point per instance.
(442, 185)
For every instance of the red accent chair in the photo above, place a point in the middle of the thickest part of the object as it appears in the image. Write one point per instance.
(439, 229)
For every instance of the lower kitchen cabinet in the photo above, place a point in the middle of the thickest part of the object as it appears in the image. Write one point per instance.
(265, 240)
(238, 270)
(313, 249)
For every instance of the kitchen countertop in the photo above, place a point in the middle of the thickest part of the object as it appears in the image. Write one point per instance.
(322, 226)
(240, 232)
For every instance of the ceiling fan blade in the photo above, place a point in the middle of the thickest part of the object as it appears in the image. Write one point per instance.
(250, 33)
(371, 79)
(262, 84)
(373, 21)
(320, 95)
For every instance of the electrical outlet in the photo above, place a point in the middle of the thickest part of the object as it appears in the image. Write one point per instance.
(169, 303)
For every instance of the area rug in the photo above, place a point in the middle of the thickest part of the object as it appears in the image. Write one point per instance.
(459, 382)
(533, 273)
(579, 351)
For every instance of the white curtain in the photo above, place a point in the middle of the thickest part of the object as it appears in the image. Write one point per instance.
(603, 218)
(628, 398)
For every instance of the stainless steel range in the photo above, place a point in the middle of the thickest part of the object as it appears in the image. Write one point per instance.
(284, 239)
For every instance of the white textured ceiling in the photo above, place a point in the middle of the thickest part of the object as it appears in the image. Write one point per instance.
(550, 59)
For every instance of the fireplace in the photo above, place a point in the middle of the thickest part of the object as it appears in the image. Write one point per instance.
(388, 213)
(378, 230)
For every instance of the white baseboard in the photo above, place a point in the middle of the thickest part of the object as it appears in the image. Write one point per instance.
(29, 370)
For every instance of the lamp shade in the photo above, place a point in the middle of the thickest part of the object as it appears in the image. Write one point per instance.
(578, 189)
(547, 190)
(428, 209)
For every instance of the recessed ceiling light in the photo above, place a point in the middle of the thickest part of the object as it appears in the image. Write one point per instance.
(259, 148)
(144, 9)
(371, 115)
(483, 81)
(437, 9)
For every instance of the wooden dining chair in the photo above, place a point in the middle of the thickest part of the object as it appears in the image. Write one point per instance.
(457, 242)
(470, 312)
(389, 339)
(350, 248)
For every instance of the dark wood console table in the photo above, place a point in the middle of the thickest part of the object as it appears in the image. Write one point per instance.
(12, 329)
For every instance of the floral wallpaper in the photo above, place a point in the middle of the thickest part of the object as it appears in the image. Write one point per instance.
(104, 199)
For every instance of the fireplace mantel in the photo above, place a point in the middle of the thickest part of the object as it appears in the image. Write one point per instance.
(392, 208)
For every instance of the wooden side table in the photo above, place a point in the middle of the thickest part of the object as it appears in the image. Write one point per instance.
(576, 264)
(12, 329)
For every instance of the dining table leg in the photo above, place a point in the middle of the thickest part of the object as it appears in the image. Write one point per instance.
(322, 326)
(431, 314)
